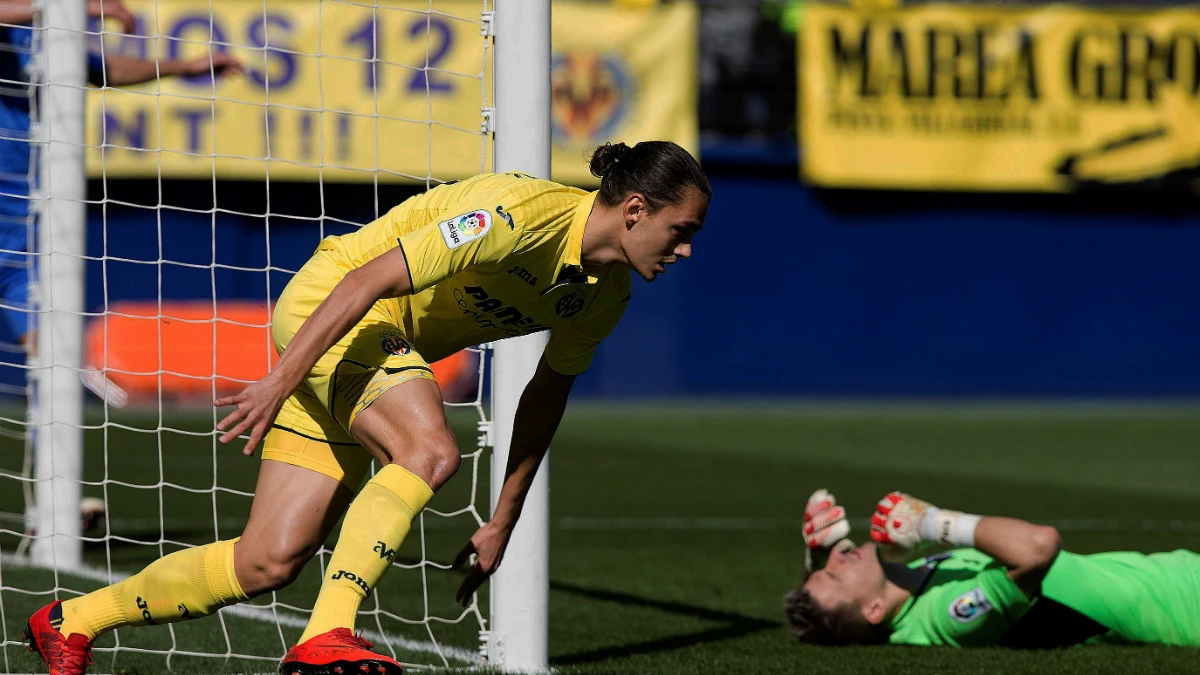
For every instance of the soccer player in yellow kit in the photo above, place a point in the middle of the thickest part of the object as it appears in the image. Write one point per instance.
(494, 256)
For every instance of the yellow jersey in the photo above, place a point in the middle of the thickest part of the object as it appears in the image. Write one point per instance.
(491, 257)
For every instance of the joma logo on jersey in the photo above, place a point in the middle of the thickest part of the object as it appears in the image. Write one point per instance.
(385, 552)
(506, 216)
(491, 312)
(343, 574)
(523, 274)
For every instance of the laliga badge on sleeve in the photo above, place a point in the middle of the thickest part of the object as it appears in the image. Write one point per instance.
(464, 229)
(970, 606)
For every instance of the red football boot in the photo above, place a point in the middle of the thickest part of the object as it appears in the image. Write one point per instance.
(65, 655)
(338, 652)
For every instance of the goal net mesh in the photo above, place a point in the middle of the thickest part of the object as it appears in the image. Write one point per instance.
(205, 194)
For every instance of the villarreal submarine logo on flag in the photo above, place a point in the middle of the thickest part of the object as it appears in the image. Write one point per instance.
(590, 95)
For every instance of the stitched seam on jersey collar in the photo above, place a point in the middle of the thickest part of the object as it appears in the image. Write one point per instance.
(574, 252)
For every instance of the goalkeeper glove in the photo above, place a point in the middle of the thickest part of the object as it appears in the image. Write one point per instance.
(907, 522)
(825, 529)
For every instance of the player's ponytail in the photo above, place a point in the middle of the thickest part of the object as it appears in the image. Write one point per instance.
(606, 157)
(661, 171)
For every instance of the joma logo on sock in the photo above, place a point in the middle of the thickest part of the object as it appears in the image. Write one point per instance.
(352, 577)
(385, 552)
(145, 607)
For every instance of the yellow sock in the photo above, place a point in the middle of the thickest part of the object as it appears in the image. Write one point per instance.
(187, 584)
(376, 523)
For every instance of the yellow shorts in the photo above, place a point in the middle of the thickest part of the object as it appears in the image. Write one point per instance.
(312, 429)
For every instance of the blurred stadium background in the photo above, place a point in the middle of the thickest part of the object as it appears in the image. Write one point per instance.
(959, 262)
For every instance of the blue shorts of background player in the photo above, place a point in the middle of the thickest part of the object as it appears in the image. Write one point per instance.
(16, 163)
(16, 263)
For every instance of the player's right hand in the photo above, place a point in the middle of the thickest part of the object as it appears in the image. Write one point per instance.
(217, 63)
(257, 406)
(487, 545)
(825, 529)
(899, 519)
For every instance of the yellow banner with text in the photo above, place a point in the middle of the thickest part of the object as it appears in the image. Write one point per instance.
(1048, 99)
(393, 92)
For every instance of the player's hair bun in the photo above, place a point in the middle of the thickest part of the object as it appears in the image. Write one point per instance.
(606, 157)
(660, 171)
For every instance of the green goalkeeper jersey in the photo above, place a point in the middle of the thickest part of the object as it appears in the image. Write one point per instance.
(967, 599)
(1141, 598)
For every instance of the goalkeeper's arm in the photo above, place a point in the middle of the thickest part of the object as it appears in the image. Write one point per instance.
(1027, 550)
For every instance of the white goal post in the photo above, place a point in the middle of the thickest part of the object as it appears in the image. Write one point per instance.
(515, 636)
(521, 587)
(58, 411)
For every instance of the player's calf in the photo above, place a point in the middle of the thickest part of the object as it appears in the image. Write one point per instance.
(293, 513)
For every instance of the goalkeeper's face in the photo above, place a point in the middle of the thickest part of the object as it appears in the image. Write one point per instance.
(663, 236)
(852, 579)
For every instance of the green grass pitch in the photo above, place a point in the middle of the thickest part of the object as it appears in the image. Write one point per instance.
(675, 531)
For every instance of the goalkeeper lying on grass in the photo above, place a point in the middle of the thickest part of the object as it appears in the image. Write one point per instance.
(1006, 582)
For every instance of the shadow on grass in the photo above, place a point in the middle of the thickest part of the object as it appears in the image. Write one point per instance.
(736, 626)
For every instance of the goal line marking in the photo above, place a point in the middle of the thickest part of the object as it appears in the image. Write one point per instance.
(705, 523)
(716, 523)
(267, 614)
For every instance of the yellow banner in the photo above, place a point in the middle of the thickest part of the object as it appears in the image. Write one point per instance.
(1023, 99)
(344, 91)
(621, 74)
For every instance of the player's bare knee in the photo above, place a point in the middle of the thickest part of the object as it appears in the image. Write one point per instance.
(439, 457)
(272, 568)
(275, 572)
(427, 448)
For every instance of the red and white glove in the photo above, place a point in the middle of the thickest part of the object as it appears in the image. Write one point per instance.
(906, 522)
(825, 529)
(898, 520)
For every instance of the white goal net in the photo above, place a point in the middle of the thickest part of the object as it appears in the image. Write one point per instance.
(154, 283)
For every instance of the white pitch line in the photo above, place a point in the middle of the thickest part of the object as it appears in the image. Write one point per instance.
(704, 523)
(684, 523)
(267, 614)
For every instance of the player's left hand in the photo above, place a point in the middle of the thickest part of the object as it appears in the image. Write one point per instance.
(219, 63)
(487, 545)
